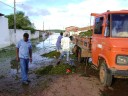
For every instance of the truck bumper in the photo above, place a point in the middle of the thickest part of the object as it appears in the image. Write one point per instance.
(120, 72)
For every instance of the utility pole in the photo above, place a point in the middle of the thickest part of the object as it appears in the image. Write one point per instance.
(15, 18)
(43, 26)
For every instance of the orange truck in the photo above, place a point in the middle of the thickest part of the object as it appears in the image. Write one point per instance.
(108, 45)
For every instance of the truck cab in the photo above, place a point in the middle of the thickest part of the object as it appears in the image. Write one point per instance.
(109, 45)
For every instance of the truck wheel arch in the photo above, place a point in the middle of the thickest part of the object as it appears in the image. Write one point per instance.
(102, 58)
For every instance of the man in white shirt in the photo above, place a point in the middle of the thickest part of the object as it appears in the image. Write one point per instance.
(65, 45)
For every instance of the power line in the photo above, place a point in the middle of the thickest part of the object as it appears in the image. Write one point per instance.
(6, 4)
(10, 5)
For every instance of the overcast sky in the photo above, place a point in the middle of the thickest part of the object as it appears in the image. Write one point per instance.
(58, 14)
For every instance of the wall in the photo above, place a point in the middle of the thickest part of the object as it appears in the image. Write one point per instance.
(19, 35)
(14, 38)
(4, 32)
(8, 36)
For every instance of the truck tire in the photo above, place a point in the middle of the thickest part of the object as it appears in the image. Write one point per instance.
(105, 75)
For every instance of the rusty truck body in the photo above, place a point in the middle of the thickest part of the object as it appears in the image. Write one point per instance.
(108, 45)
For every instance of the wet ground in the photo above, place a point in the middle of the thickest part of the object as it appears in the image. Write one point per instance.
(52, 85)
(8, 65)
(10, 78)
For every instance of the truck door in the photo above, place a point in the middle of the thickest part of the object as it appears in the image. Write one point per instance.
(97, 39)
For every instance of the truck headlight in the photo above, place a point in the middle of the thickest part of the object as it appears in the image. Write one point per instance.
(122, 59)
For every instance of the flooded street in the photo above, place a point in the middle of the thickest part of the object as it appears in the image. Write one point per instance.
(10, 78)
(44, 47)
(8, 65)
(51, 85)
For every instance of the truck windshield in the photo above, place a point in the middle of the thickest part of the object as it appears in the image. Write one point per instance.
(119, 25)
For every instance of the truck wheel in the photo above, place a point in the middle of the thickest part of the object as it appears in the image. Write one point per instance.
(104, 75)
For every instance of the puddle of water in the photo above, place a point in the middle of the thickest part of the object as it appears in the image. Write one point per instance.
(45, 47)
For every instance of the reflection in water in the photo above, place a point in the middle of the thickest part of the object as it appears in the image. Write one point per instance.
(49, 42)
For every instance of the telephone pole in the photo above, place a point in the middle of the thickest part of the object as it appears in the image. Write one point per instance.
(15, 18)
(43, 26)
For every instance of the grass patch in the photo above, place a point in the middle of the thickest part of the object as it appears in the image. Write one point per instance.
(58, 69)
(44, 70)
(72, 56)
(55, 54)
(52, 54)
(7, 52)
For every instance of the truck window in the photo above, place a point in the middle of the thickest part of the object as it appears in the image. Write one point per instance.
(98, 25)
(119, 25)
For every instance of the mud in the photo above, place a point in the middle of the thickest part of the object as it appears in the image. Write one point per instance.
(62, 85)
(13, 87)
(118, 88)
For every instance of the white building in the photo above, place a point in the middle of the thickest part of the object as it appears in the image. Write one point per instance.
(4, 32)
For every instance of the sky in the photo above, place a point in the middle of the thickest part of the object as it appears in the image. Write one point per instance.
(59, 14)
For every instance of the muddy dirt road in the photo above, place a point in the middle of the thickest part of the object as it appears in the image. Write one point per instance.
(58, 85)
(74, 85)
(62, 85)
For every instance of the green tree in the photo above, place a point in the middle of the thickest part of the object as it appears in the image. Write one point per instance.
(22, 21)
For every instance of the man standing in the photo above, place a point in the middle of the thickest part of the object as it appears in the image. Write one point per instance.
(65, 43)
(24, 55)
(58, 43)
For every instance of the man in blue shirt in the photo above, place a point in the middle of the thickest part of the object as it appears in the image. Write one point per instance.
(58, 43)
(24, 55)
